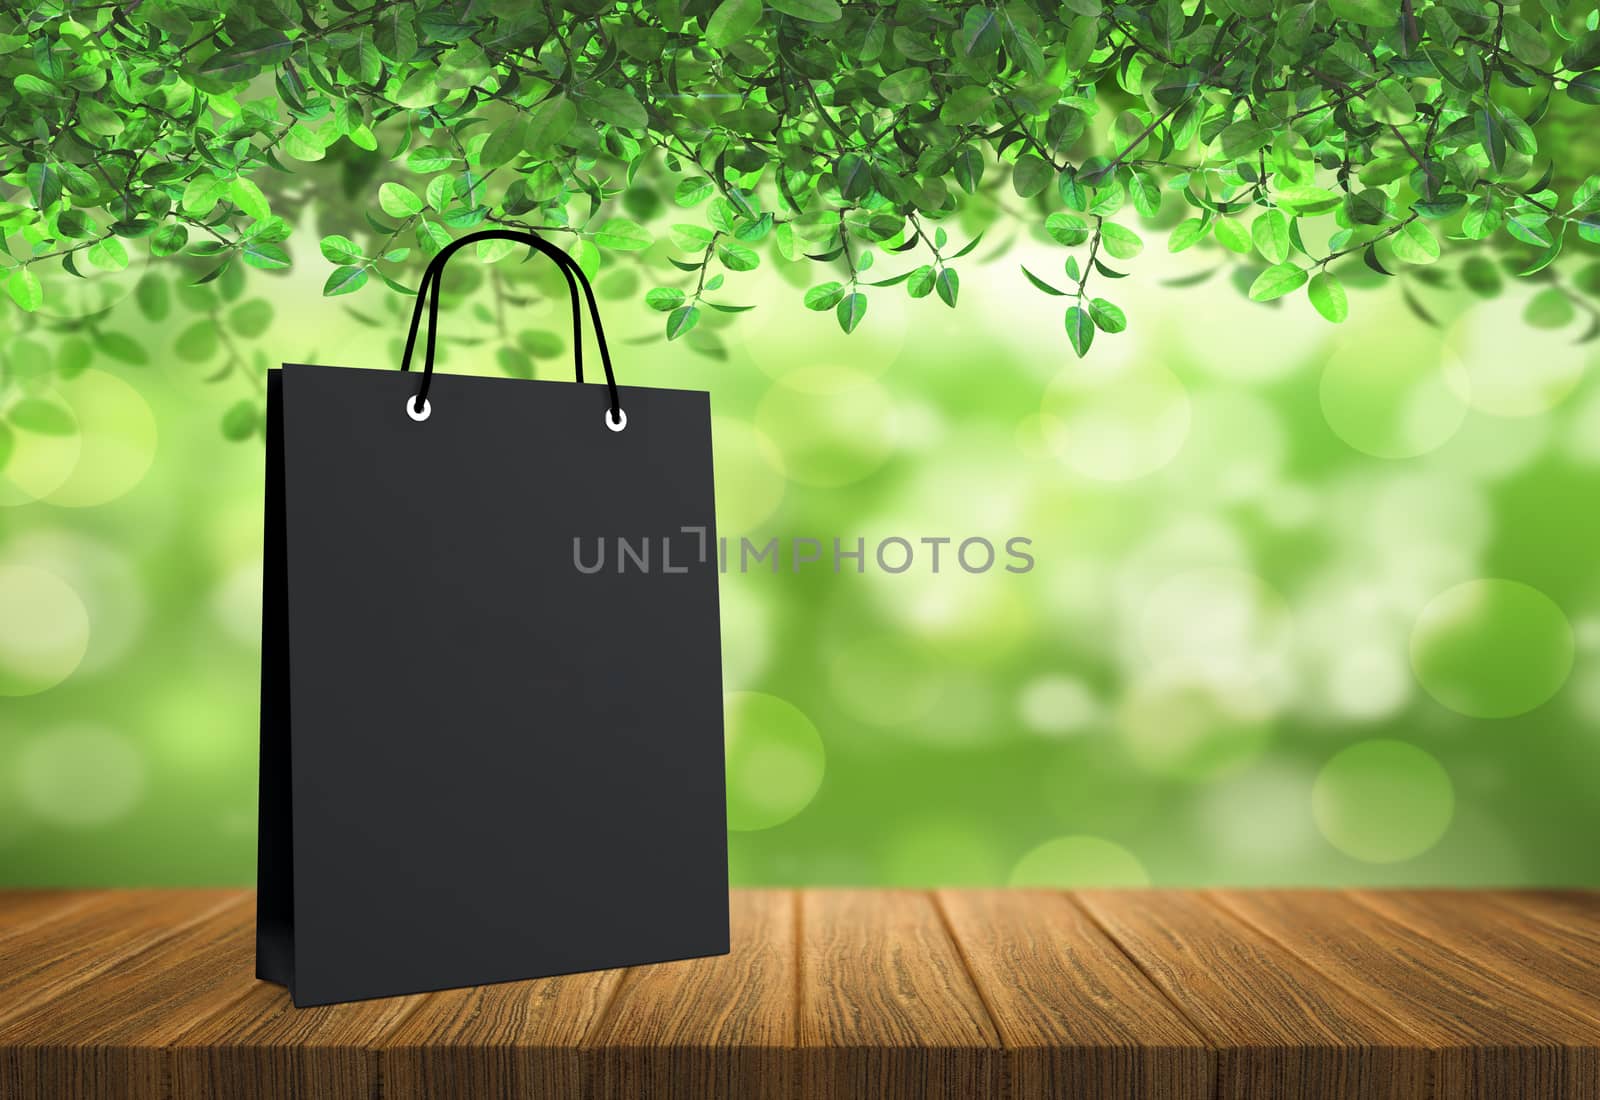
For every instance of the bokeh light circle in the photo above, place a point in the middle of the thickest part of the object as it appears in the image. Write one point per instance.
(44, 630)
(775, 760)
(1514, 370)
(80, 776)
(832, 425)
(118, 440)
(105, 578)
(1383, 801)
(1079, 861)
(1179, 724)
(1115, 421)
(749, 476)
(1056, 706)
(40, 462)
(1398, 397)
(1492, 648)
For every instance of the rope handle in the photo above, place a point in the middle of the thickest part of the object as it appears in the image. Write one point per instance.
(418, 406)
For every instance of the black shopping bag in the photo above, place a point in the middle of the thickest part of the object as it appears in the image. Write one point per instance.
(483, 757)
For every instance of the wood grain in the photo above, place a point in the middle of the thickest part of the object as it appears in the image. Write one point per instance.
(850, 995)
(87, 938)
(1282, 1031)
(262, 1047)
(1554, 966)
(517, 1039)
(1077, 1018)
(23, 909)
(887, 1009)
(105, 1039)
(722, 1027)
(1491, 1037)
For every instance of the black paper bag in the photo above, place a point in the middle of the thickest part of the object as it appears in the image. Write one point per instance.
(482, 758)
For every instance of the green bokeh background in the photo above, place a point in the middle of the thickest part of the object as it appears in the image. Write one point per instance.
(1311, 604)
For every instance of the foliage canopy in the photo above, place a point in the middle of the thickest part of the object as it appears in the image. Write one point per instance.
(1312, 139)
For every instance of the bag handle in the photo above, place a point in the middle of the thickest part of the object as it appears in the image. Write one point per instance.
(418, 408)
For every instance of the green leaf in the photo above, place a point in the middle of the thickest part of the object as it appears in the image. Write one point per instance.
(1368, 13)
(169, 240)
(398, 200)
(504, 144)
(692, 191)
(108, 254)
(1270, 232)
(906, 85)
(155, 301)
(344, 280)
(618, 108)
(1066, 229)
(240, 421)
(920, 283)
(428, 159)
(1080, 329)
(731, 22)
(824, 296)
(393, 33)
(1481, 276)
(1119, 242)
(1243, 138)
(1530, 229)
(850, 310)
(99, 119)
(248, 197)
(681, 321)
(34, 414)
(1549, 309)
(251, 52)
(1107, 317)
(1327, 295)
(813, 11)
(1585, 88)
(25, 289)
(1186, 234)
(202, 193)
(664, 298)
(979, 36)
(737, 257)
(1415, 244)
(1232, 235)
(1030, 175)
(622, 235)
(265, 255)
(550, 122)
(251, 319)
(1276, 281)
(1041, 284)
(948, 285)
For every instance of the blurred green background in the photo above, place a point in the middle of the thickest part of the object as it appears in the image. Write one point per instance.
(1311, 604)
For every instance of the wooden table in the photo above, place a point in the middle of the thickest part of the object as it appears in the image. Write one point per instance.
(876, 995)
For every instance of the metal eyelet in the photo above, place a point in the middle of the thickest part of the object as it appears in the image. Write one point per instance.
(411, 409)
(617, 425)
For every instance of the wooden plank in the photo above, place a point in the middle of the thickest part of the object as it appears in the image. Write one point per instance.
(1553, 965)
(96, 932)
(1077, 1018)
(1491, 1037)
(104, 1039)
(496, 1042)
(887, 1009)
(21, 910)
(705, 1029)
(1575, 914)
(1282, 1031)
(263, 1048)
